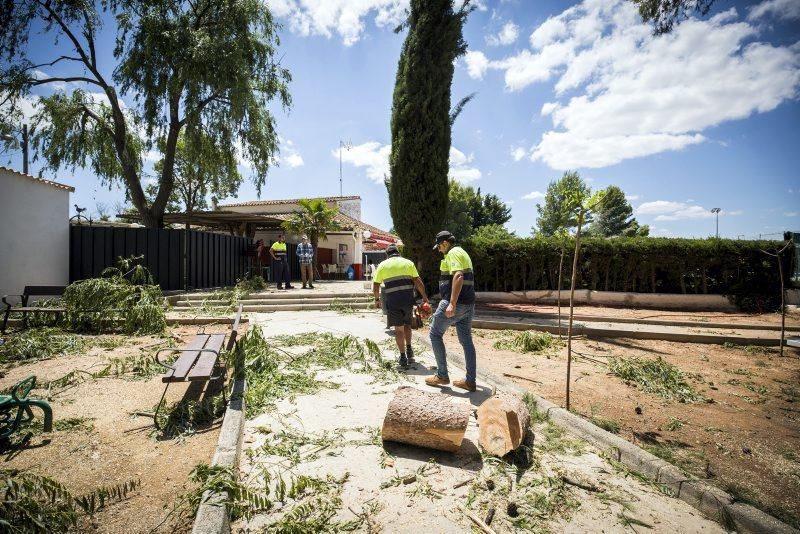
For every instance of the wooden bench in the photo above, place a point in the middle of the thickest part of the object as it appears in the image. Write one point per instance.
(198, 360)
(27, 293)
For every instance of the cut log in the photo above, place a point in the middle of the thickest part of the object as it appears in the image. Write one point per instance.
(503, 421)
(432, 420)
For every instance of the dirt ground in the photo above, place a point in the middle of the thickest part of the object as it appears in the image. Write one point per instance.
(745, 438)
(104, 443)
(792, 318)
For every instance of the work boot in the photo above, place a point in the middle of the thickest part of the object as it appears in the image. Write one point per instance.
(304, 286)
(403, 361)
(410, 355)
(437, 380)
(463, 384)
(310, 286)
(290, 287)
(280, 287)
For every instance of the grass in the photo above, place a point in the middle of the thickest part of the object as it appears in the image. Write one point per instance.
(750, 349)
(654, 376)
(608, 425)
(556, 441)
(41, 344)
(341, 307)
(527, 341)
(675, 424)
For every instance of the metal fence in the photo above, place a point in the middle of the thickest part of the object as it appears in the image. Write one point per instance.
(214, 260)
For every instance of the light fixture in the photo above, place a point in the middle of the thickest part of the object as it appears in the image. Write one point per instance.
(367, 234)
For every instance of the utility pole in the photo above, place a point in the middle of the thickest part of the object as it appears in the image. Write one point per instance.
(716, 212)
(348, 145)
(24, 146)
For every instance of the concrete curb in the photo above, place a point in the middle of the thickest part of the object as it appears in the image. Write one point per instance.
(581, 330)
(659, 301)
(711, 501)
(171, 321)
(632, 320)
(212, 515)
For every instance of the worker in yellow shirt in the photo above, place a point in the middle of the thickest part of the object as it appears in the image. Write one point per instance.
(399, 277)
(280, 263)
(457, 289)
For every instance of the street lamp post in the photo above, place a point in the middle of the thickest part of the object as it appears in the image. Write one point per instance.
(346, 146)
(24, 146)
(716, 212)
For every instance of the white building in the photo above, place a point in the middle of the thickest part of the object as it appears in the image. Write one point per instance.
(34, 231)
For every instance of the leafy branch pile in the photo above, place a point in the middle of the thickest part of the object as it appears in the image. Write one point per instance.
(125, 294)
(31, 503)
(734, 268)
(274, 372)
(40, 344)
(655, 376)
(527, 341)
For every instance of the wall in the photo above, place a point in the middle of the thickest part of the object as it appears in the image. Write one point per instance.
(34, 233)
(660, 301)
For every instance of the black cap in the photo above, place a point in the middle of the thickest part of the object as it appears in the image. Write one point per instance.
(444, 235)
(391, 250)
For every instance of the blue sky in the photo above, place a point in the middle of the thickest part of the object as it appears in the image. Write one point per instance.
(705, 117)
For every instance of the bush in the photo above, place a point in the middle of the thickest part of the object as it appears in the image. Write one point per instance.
(737, 269)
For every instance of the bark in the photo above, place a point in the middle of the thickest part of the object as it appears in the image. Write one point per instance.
(503, 422)
(431, 420)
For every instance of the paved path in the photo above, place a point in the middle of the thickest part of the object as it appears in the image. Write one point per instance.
(430, 502)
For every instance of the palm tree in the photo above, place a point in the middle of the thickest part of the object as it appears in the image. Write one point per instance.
(315, 220)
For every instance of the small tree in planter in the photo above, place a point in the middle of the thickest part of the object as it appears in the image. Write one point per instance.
(580, 202)
(778, 255)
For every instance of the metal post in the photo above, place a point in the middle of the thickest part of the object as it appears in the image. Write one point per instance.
(716, 212)
(25, 148)
(340, 167)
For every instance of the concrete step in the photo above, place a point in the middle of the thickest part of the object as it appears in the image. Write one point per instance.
(288, 307)
(266, 302)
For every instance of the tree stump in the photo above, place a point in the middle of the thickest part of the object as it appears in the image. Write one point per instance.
(503, 421)
(431, 420)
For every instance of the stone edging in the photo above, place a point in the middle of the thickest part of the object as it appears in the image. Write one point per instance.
(711, 501)
(212, 515)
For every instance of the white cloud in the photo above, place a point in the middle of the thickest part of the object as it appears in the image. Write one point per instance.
(780, 9)
(477, 63)
(294, 160)
(343, 17)
(631, 197)
(460, 167)
(632, 94)
(792, 213)
(374, 157)
(533, 195)
(518, 152)
(666, 210)
(507, 35)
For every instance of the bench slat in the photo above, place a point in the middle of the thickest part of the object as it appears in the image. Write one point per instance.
(186, 359)
(204, 367)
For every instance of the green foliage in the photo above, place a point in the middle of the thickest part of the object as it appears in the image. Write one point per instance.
(664, 14)
(207, 69)
(421, 126)
(124, 294)
(613, 216)
(654, 376)
(493, 232)
(40, 344)
(658, 265)
(184, 417)
(468, 211)
(314, 220)
(528, 341)
(241, 501)
(31, 503)
(561, 200)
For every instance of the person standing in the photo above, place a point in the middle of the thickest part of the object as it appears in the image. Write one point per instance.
(305, 253)
(262, 257)
(399, 277)
(280, 264)
(457, 289)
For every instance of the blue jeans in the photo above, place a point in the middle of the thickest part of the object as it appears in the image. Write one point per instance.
(463, 321)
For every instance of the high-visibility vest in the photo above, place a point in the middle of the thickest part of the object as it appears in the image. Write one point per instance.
(279, 249)
(397, 275)
(455, 260)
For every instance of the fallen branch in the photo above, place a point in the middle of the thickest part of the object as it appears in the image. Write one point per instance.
(522, 378)
(480, 524)
(463, 483)
(581, 485)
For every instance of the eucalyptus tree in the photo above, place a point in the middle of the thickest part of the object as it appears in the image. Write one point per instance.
(665, 14)
(196, 66)
(421, 125)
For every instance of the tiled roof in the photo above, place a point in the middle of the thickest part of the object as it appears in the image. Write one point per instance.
(346, 223)
(287, 201)
(40, 180)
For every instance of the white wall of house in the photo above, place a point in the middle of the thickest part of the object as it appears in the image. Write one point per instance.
(34, 233)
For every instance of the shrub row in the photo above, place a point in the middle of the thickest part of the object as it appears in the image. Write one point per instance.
(737, 269)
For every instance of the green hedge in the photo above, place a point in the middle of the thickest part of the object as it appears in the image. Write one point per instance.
(737, 269)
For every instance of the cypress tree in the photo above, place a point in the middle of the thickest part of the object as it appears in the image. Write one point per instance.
(421, 126)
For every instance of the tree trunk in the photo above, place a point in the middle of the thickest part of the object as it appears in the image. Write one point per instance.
(503, 422)
(783, 304)
(572, 302)
(560, 270)
(431, 420)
